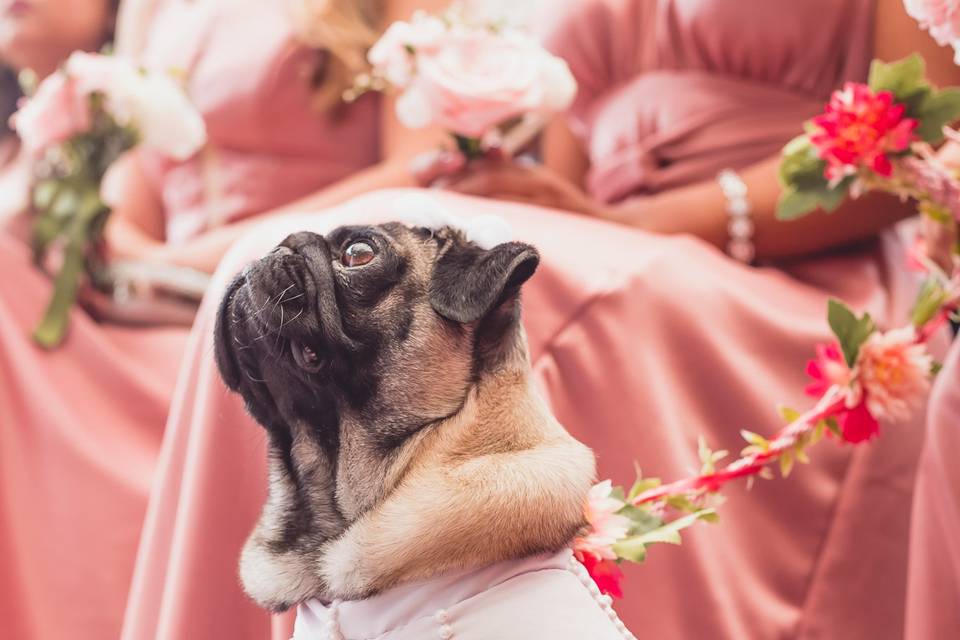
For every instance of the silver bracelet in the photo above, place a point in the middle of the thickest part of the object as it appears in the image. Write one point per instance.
(740, 226)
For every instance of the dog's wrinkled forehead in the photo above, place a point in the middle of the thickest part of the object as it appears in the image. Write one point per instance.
(341, 320)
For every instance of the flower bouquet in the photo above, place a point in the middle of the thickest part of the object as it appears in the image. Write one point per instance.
(76, 124)
(488, 84)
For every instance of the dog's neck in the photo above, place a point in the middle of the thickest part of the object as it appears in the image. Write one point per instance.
(499, 479)
(367, 472)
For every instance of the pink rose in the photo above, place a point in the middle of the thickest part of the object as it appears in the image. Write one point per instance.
(940, 17)
(472, 79)
(56, 112)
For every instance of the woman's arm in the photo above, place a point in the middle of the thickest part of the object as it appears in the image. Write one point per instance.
(136, 226)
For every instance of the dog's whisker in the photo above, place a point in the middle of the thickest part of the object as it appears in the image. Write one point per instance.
(280, 299)
(247, 373)
(276, 343)
(299, 313)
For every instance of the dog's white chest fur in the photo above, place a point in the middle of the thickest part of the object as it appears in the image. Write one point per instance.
(542, 597)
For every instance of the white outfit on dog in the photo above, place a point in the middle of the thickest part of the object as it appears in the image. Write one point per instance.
(550, 597)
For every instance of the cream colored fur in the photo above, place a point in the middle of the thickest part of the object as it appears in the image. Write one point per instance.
(500, 479)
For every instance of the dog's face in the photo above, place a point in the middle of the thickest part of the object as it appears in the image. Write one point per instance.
(344, 346)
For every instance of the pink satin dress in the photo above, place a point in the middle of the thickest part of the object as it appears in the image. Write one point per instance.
(933, 595)
(81, 427)
(641, 343)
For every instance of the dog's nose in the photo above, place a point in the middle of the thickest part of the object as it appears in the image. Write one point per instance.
(296, 242)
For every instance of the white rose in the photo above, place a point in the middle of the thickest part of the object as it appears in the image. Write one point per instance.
(165, 117)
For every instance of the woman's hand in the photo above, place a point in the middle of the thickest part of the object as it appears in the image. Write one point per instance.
(521, 182)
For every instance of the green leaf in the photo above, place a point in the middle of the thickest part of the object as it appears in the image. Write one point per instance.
(833, 426)
(755, 439)
(786, 463)
(630, 549)
(801, 167)
(641, 485)
(935, 112)
(634, 548)
(641, 519)
(796, 203)
(789, 415)
(681, 503)
(931, 297)
(617, 494)
(850, 330)
(905, 79)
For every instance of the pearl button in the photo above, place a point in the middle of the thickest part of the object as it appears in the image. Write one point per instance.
(446, 632)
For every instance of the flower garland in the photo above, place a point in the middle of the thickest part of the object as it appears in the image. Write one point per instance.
(871, 137)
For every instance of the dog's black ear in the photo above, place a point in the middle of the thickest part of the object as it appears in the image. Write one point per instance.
(223, 335)
(469, 282)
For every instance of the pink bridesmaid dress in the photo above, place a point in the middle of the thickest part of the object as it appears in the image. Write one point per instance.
(640, 342)
(933, 595)
(81, 427)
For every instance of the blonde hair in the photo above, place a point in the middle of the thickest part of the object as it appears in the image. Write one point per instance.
(342, 31)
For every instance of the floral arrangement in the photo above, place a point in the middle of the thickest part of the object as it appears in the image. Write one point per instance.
(874, 136)
(482, 81)
(75, 125)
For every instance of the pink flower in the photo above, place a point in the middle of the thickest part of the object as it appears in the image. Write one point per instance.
(940, 17)
(606, 527)
(859, 129)
(894, 371)
(469, 79)
(606, 573)
(55, 113)
(827, 369)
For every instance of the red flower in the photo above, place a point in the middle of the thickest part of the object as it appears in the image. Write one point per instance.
(859, 129)
(605, 573)
(858, 424)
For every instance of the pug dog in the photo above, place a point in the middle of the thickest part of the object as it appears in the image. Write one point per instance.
(390, 370)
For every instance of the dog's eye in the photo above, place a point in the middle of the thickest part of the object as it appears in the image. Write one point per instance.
(357, 254)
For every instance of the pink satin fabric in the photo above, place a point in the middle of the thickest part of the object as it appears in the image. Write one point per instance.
(672, 91)
(933, 597)
(641, 344)
(549, 596)
(81, 427)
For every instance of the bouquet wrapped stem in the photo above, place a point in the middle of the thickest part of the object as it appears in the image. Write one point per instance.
(78, 237)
